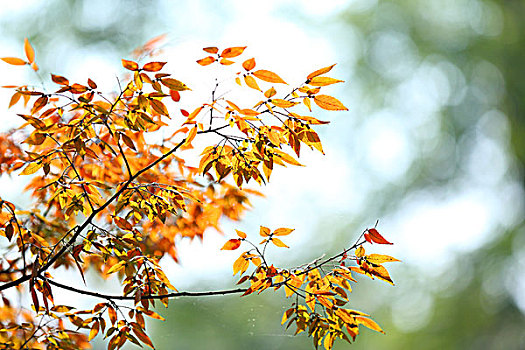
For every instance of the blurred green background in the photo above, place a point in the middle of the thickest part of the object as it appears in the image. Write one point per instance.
(434, 146)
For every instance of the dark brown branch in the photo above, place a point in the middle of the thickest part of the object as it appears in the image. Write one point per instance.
(122, 297)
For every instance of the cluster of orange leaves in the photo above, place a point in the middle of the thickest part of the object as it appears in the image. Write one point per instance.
(108, 199)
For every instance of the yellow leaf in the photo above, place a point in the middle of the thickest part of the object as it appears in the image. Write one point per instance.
(323, 81)
(367, 322)
(329, 103)
(94, 331)
(32, 168)
(248, 79)
(282, 103)
(279, 243)
(379, 259)
(116, 267)
(320, 71)
(360, 252)
(174, 84)
(190, 137)
(268, 76)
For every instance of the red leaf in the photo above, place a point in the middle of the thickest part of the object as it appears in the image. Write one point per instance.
(376, 237)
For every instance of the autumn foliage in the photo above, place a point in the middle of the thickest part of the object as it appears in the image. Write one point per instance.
(113, 186)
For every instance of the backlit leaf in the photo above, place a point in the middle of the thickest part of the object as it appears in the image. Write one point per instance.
(232, 52)
(320, 72)
(241, 234)
(206, 60)
(14, 61)
(279, 243)
(249, 64)
(329, 103)
(174, 84)
(32, 168)
(30, 52)
(264, 231)
(158, 106)
(379, 259)
(282, 103)
(268, 76)
(131, 65)
(283, 231)
(323, 81)
(153, 66)
(59, 79)
(211, 49)
(376, 237)
(248, 79)
(232, 244)
(360, 252)
(367, 322)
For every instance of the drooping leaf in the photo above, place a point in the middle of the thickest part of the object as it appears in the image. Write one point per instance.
(279, 243)
(367, 322)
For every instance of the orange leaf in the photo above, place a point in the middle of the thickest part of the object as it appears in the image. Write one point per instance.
(360, 252)
(59, 79)
(226, 62)
(323, 81)
(283, 231)
(248, 79)
(376, 237)
(249, 64)
(270, 92)
(130, 65)
(264, 231)
(279, 243)
(30, 53)
(153, 66)
(232, 52)
(320, 71)
(191, 136)
(39, 104)
(175, 95)
(329, 103)
(211, 49)
(232, 244)
(241, 234)
(14, 61)
(268, 76)
(206, 60)
(143, 336)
